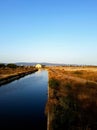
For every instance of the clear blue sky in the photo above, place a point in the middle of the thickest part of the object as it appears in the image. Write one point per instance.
(59, 31)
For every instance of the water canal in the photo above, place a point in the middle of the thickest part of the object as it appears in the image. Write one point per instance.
(22, 102)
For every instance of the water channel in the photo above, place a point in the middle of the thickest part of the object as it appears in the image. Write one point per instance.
(23, 101)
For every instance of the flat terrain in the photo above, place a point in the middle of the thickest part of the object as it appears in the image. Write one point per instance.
(72, 98)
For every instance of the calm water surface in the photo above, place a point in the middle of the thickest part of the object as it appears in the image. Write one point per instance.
(22, 102)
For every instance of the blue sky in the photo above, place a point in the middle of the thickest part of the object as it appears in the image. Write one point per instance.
(59, 31)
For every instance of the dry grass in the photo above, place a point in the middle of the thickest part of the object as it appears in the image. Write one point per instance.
(72, 104)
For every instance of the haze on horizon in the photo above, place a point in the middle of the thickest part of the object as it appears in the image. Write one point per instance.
(56, 31)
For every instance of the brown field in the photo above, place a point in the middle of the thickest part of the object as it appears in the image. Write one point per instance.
(72, 98)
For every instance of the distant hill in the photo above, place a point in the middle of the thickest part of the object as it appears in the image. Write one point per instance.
(47, 64)
(34, 63)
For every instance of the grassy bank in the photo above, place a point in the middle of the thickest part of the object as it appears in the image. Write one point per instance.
(8, 74)
(72, 103)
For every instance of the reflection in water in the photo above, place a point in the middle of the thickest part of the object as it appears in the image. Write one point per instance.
(22, 102)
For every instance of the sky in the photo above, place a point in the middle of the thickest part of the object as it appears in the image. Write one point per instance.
(56, 31)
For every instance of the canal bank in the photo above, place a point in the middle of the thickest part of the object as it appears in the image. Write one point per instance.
(16, 76)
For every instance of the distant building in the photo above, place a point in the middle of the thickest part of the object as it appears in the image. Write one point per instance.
(38, 66)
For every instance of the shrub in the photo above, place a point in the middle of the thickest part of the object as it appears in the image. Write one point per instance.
(2, 65)
(77, 72)
(12, 65)
(64, 119)
(68, 86)
(54, 83)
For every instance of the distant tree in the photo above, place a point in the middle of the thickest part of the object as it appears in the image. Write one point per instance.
(2, 65)
(12, 65)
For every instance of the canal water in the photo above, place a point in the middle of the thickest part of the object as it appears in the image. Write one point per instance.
(23, 101)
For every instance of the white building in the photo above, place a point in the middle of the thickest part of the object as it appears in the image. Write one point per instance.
(38, 66)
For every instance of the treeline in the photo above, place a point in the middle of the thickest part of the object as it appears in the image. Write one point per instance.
(10, 65)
